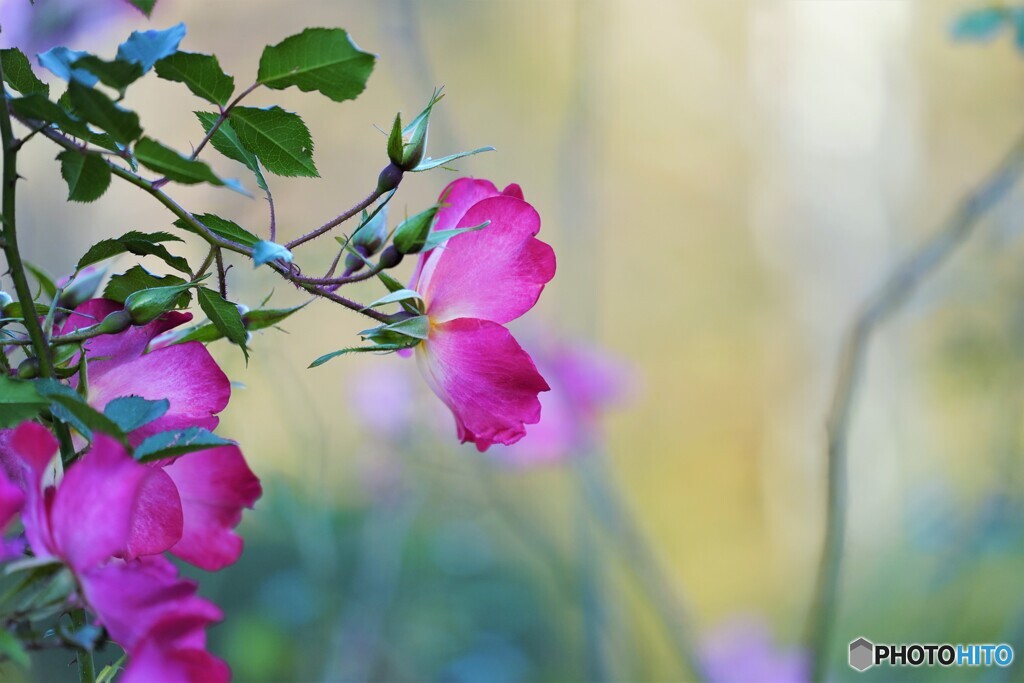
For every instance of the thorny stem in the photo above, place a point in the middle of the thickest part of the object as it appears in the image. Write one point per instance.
(207, 262)
(215, 240)
(897, 288)
(273, 217)
(86, 665)
(338, 220)
(222, 279)
(8, 205)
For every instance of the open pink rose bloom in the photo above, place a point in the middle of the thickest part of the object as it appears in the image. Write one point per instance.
(110, 519)
(471, 286)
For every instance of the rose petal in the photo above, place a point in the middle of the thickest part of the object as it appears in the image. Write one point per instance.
(214, 486)
(165, 655)
(487, 380)
(158, 519)
(96, 515)
(27, 453)
(496, 273)
(456, 200)
(12, 498)
(131, 598)
(112, 350)
(184, 374)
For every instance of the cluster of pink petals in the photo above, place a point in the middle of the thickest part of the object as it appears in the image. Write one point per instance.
(110, 518)
(472, 286)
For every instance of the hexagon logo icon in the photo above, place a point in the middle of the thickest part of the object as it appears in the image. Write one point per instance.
(862, 654)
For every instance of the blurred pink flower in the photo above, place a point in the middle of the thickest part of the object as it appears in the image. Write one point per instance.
(108, 520)
(382, 400)
(214, 485)
(37, 25)
(585, 381)
(742, 650)
(472, 286)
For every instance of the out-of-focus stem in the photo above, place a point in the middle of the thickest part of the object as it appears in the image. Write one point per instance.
(894, 291)
(86, 664)
(618, 522)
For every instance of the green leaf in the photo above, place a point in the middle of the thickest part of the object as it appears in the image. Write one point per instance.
(19, 401)
(266, 251)
(59, 61)
(12, 649)
(14, 310)
(46, 282)
(429, 163)
(395, 297)
(177, 442)
(321, 59)
(107, 673)
(226, 141)
(131, 412)
(116, 74)
(221, 227)
(205, 332)
(396, 143)
(149, 47)
(417, 327)
(391, 283)
(268, 317)
(278, 138)
(411, 234)
(36, 106)
(166, 161)
(19, 75)
(144, 6)
(138, 243)
(225, 316)
(436, 238)
(379, 348)
(413, 151)
(87, 175)
(146, 305)
(200, 73)
(100, 110)
(67, 405)
(137, 279)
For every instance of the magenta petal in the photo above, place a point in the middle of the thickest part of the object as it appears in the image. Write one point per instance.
(184, 374)
(26, 453)
(214, 486)
(111, 350)
(158, 519)
(93, 516)
(456, 200)
(459, 197)
(166, 656)
(11, 500)
(496, 273)
(131, 598)
(487, 380)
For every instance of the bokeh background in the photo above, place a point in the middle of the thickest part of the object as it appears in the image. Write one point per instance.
(724, 184)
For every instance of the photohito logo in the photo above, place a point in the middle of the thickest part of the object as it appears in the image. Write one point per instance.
(864, 654)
